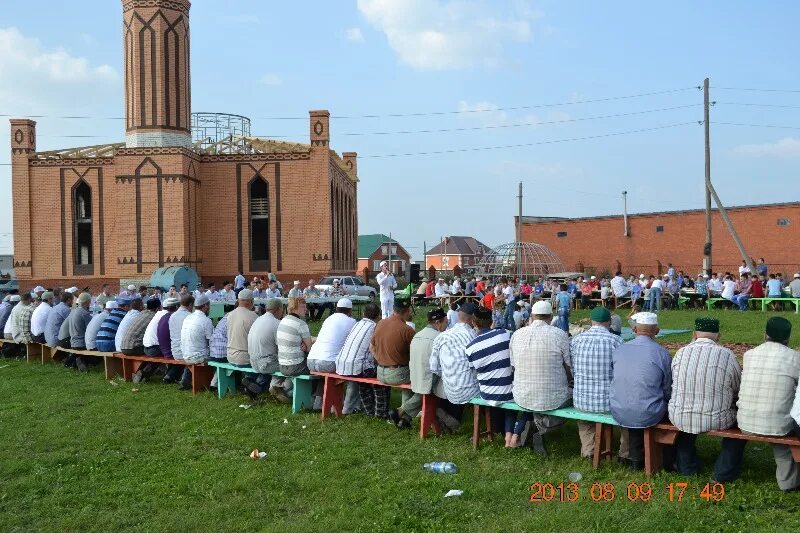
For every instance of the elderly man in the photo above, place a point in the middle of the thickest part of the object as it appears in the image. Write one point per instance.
(542, 371)
(5, 310)
(136, 307)
(591, 353)
(39, 317)
(794, 286)
(641, 385)
(441, 289)
(315, 313)
(769, 384)
(150, 342)
(21, 330)
(355, 359)
(295, 291)
(218, 347)
(133, 339)
(104, 296)
(331, 337)
(391, 346)
(175, 323)
(449, 360)
(705, 384)
(196, 332)
(90, 337)
(619, 287)
(10, 327)
(294, 339)
(387, 285)
(107, 333)
(262, 345)
(76, 324)
(240, 320)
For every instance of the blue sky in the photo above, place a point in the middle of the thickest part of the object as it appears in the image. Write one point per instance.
(382, 57)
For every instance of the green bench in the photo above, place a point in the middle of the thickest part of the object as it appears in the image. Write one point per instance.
(712, 301)
(602, 437)
(770, 299)
(302, 385)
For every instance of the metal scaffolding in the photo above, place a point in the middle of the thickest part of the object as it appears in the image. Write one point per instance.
(220, 133)
(526, 260)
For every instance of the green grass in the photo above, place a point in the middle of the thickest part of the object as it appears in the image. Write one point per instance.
(80, 453)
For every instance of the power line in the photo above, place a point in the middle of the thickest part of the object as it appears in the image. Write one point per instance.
(757, 125)
(754, 89)
(751, 104)
(522, 145)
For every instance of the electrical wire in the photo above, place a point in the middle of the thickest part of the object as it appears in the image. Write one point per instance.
(754, 89)
(757, 125)
(752, 104)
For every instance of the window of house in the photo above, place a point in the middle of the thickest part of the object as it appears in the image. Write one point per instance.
(259, 225)
(561, 234)
(659, 229)
(384, 249)
(82, 221)
(783, 222)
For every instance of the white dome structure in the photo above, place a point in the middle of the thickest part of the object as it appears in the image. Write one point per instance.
(526, 260)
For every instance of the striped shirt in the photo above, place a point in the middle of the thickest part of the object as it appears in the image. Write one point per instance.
(541, 361)
(124, 324)
(355, 357)
(705, 382)
(291, 331)
(488, 355)
(108, 330)
(769, 384)
(591, 365)
(449, 360)
(22, 324)
(134, 335)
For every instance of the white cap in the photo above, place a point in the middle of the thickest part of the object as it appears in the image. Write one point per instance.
(296, 282)
(38, 288)
(641, 276)
(72, 290)
(797, 274)
(646, 319)
(111, 304)
(520, 303)
(344, 303)
(203, 299)
(593, 277)
(131, 287)
(336, 280)
(383, 264)
(542, 308)
(14, 298)
(705, 276)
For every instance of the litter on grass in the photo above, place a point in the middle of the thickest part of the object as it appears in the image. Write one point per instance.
(575, 476)
(5, 366)
(258, 454)
(453, 492)
(114, 383)
(245, 406)
(285, 421)
(134, 390)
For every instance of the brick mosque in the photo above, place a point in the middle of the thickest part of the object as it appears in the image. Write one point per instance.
(219, 201)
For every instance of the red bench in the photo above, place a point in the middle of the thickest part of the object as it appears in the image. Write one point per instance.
(202, 374)
(665, 434)
(333, 398)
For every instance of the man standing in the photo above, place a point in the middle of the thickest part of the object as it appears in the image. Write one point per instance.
(238, 283)
(591, 353)
(769, 384)
(449, 358)
(104, 296)
(391, 345)
(356, 359)
(705, 384)
(387, 285)
(542, 370)
(94, 325)
(654, 298)
(56, 318)
(196, 332)
(641, 384)
(39, 317)
(262, 345)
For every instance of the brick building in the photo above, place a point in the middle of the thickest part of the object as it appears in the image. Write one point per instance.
(464, 252)
(377, 247)
(115, 212)
(598, 244)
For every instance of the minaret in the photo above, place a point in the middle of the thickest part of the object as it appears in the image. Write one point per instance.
(157, 86)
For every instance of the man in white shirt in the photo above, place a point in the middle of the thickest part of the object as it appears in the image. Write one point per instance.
(212, 292)
(198, 291)
(136, 307)
(295, 291)
(440, 289)
(387, 285)
(196, 333)
(331, 337)
(654, 297)
(39, 317)
(90, 337)
(273, 291)
(150, 340)
(794, 286)
(728, 288)
(743, 268)
(618, 286)
(175, 327)
(714, 286)
(262, 345)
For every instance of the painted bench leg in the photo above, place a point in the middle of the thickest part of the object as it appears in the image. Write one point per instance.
(602, 443)
(226, 382)
(201, 378)
(429, 419)
(113, 366)
(301, 395)
(476, 424)
(129, 367)
(33, 351)
(332, 397)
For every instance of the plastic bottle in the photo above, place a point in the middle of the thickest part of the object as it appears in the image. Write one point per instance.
(440, 467)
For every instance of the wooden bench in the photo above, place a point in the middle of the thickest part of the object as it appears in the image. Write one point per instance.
(301, 385)
(765, 301)
(711, 302)
(112, 364)
(665, 434)
(201, 372)
(604, 424)
(333, 398)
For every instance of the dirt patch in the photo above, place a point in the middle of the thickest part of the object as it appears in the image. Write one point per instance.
(736, 347)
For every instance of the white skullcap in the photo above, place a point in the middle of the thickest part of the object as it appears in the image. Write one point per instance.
(593, 277)
(131, 287)
(641, 276)
(111, 304)
(336, 280)
(797, 274)
(542, 308)
(38, 288)
(14, 298)
(344, 303)
(203, 299)
(383, 263)
(296, 282)
(705, 276)
(646, 319)
(72, 290)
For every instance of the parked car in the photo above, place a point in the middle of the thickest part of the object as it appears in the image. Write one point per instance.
(352, 285)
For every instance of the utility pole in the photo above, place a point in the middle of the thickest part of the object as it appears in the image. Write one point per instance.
(625, 211)
(518, 246)
(707, 264)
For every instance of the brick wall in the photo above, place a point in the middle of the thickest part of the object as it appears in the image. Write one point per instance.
(599, 244)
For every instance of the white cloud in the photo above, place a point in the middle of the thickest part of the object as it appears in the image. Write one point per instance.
(271, 79)
(786, 147)
(449, 34)
(354, 35)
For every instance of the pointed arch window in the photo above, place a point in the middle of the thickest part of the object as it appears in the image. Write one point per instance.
(82, 228)
(259, 225)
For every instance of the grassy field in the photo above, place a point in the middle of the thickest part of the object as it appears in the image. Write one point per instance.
(81, 453)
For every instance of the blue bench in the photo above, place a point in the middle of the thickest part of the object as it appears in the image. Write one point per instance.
(602, 437)
(302, 385)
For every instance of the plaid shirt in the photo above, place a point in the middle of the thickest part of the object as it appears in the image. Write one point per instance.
(705, 381)
(219, 340)
(355, 357)
(134, 335)
(591, 363)
(449, 360)
(769, 384)
(22, 324)
(541, 361)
